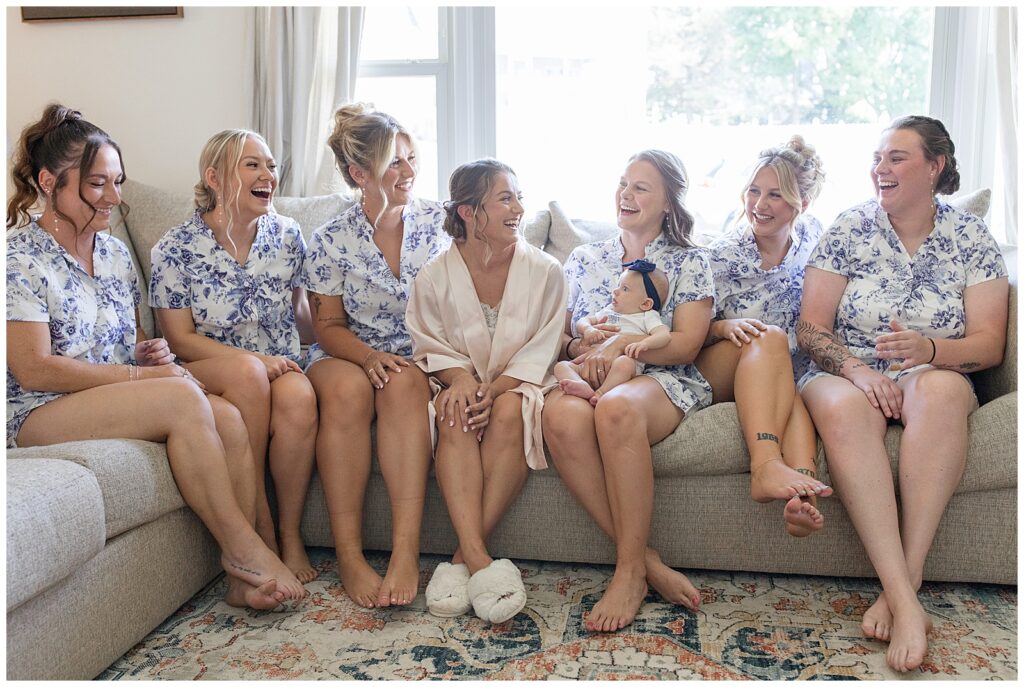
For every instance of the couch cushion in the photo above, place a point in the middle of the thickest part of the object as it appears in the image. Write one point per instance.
(133, 476)
(996, 381)
(976, 202)
(566, 234)
(312, 212)
(54, 523)
(536, 229)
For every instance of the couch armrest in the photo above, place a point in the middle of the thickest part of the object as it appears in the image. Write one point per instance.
(999, 381)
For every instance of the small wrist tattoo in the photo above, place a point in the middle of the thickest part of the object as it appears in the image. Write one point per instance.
(766, 436)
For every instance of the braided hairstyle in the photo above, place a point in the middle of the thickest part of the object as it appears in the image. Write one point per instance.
(59, 142)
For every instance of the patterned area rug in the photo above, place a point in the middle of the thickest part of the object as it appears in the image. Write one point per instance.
(751, 626)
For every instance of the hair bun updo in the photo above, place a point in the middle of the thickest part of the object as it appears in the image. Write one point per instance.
(810, 172)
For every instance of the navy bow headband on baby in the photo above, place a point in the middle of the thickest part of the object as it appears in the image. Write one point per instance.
(645, 267)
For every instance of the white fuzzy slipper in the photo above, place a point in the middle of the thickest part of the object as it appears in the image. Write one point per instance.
(446, 592)
(497, 591)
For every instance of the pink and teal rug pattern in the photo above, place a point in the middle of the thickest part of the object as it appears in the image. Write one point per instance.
(750, 626)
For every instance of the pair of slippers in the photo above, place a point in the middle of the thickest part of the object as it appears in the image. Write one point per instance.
(495, 593)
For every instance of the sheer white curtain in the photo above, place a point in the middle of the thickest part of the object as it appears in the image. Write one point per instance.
(306, 64)
(1004, 42)
(974, 91)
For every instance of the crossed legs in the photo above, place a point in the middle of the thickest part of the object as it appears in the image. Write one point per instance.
(281, 413)
(603, 456)
(348, 404)
(776, 427)
(935, 403)
(209, 456)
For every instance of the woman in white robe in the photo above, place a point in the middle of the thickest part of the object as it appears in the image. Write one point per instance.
(485, 319)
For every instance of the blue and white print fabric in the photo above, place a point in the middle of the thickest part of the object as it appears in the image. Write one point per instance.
(743, 289)
(923, 292)
(245, 306)
(90, 318)
(344, 261)
(592, 272)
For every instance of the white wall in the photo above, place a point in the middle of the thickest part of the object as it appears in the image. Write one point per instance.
(160, 87)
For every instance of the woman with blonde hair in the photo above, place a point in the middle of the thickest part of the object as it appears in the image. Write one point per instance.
(751, 351)
(80, 367)
(225, 288)
(359, 269)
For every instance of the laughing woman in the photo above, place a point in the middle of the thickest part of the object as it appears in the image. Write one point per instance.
(79, 367)
(904, 295)
(225, 286)
(359, 269)
(486, 320)
(751, 349)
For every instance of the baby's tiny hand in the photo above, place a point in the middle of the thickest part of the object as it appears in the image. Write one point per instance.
(634, 350)
(593, 336)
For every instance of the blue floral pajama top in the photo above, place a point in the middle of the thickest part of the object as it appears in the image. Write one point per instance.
(743, 289)
(924, 292)
(90, 318)
(245, 306)
(344, 261)
(592, 273)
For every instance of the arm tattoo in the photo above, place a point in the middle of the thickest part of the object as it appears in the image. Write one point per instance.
(967, 367)
(318, 303)
(823, 347)
(767, 436)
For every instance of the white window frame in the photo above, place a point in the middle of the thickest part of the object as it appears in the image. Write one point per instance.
(464, 80)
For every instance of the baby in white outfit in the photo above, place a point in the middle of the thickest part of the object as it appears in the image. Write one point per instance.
(634, 309)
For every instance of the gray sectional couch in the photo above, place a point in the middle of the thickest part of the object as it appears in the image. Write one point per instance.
(101, 548)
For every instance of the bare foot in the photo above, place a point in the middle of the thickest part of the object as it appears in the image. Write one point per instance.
(801, 517)
(621, 601)
(576, 387)
(361, 582)
(401, 581)
(595, 398)
(672, 585)
(259, 566)
(909, 642)
(244, 595)
(294, 556)
(773, 479)
(877, 621)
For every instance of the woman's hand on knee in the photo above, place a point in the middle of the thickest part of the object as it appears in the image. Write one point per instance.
(378, 363)
(277, 365)
(480, 412)
(171, 371)
(738, 330)
(452, 403)
(882, 393)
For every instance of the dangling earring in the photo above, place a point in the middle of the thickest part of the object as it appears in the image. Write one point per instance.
(362, 198)
(49, 199)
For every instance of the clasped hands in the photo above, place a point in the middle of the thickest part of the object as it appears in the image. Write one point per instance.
(467, 401)
(599, 347)
(155, 355)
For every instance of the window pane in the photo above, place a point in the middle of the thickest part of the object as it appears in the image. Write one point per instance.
(713, 85)
(412, 100)
(399, 33)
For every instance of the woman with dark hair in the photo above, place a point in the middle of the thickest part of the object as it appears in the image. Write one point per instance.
(603, 452)
(485, 319)
(79, 366)
(903, 296)
(358, 271)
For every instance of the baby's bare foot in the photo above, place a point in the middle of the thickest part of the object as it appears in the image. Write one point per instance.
(773, 479)
(401, 580)
(576, 387)
(620, 603)
(672, 585)
(361, 582)
(294, 556)
(801, 517)
(244, 595)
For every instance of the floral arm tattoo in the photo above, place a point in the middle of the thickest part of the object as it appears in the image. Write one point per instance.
(823, 347)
